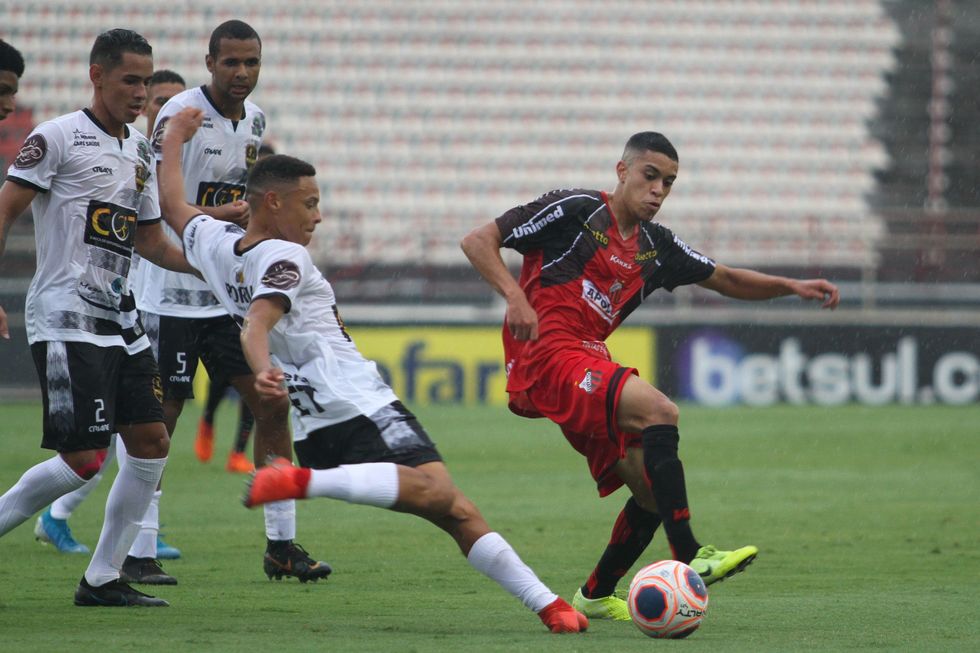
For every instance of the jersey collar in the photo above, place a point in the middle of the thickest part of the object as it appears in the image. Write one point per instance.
(91, 116)
(207, 96)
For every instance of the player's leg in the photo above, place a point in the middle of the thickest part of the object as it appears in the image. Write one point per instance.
(204, 442)
(238, 462)
(73, 400)
(52, 526)
(644, 409)
(411, 479)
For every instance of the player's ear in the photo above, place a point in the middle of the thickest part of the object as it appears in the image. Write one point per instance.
(621, 169)
(95, 73)
(209, 62)
(272, 200)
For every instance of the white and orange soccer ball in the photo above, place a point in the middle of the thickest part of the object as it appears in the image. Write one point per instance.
(667, 599)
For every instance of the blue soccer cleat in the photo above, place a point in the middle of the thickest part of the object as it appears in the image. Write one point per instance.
(165, 551)
(49, 530)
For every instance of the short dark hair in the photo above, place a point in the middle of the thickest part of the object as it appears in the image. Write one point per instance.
(231, 29)
(166, 77)
(649, 142)
(277, 169)
(266, 150)
(11, 59)
(110, 45)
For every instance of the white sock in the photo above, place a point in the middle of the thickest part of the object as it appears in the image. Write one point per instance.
(124, 509)
(372, 484)
(145, 544)
(494, 557)
(280, 520)
(37, 487)
(65, 505)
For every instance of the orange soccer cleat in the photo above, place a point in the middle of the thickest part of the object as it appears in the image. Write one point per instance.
(238, 463)
(277, 481)
(204, 443)
(560, 617)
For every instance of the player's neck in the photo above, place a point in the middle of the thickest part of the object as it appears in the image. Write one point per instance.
(625, 225)
(108, 124)
(227, 107)
(257, 231)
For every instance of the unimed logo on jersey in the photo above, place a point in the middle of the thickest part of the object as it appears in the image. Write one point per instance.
(110, 227)
(538, 223)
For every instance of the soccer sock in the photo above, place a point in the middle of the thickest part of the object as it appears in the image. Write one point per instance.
(216, 392)
(128, 500)
(666, 475)
(145, 544)
(492, 556)
(631, 535)
(65, 505)
(280, 520)
(372, 484)
(36, 488)
(245, 423)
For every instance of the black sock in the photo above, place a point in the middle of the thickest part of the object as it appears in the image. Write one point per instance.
(276, 546)
(666, 475)
(215, 394)
(630, 537)
(245, 422)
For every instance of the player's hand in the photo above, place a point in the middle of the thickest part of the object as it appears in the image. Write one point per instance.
(236, 212)
(820, 289)
(184, 124)
(522, 320)
(270, 383)
(4, 330)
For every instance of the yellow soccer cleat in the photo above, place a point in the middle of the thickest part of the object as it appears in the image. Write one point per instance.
(714, 565)
(605, 607)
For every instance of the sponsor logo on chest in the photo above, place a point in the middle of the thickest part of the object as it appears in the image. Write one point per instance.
(599, 301)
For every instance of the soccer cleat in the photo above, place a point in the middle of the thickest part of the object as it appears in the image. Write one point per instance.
(115, 593)
(714, 565)
(145, 571)
(49, 530)
(238, 463)
(290, 559)
(166, 551)
(560, 617)
(204, 442)
(277, 481)
(604, 607)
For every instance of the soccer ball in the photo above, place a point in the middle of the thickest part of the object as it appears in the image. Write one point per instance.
(667, 599)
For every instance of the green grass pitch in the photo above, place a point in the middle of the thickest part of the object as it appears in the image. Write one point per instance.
(867, 519)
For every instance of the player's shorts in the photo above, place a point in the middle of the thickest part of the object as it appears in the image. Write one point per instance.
(89, 390)
(391, 435)
(179, 342)
(579, 389)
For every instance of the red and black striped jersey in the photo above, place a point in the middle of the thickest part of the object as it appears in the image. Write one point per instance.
(580, 275)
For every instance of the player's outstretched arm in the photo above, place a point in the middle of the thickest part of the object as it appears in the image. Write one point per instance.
(263, 314)
(157, 248)
(740, 283)
(176, 211)
(14, 200)
(482, 248)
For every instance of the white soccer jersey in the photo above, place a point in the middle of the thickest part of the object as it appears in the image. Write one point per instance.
(93, 190)
(216, 162)
(328, 379)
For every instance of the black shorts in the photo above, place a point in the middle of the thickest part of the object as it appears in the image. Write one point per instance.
(179, 342)
(89, 390)
(391, 435)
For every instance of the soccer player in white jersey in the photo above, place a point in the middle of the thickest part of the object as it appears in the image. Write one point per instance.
(354, 438)
(52, 526)
(92, 187)
(11, 70)
(182, 317)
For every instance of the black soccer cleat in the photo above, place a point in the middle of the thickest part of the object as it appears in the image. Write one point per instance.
(145, 571)
(290, 559)
(114, 594)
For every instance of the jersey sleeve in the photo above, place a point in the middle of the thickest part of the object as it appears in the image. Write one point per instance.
(283, 269)
(197, 233)
(170, 109)
(39, 157)
(682, 264)
(149, 208)
(531, 226)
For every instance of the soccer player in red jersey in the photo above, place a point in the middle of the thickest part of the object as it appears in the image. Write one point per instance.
(590, 258)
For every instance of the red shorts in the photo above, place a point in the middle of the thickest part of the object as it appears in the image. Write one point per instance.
(579, 389)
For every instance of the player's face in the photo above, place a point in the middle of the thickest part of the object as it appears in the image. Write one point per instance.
(157, 96)
(235, 70)
(122, 90)
(300, 211)
(8, 93)
(646, 183)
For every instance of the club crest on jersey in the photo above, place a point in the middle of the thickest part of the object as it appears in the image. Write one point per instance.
(251, 155)
(142, 176)
(598, 301)
(31, 152)
(282, 275)
(157, 138)
(258, 125)
(615, 291)
(591, 381)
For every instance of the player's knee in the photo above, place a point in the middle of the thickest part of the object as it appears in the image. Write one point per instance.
(663, 411)
(437, 496)
(87, 464)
